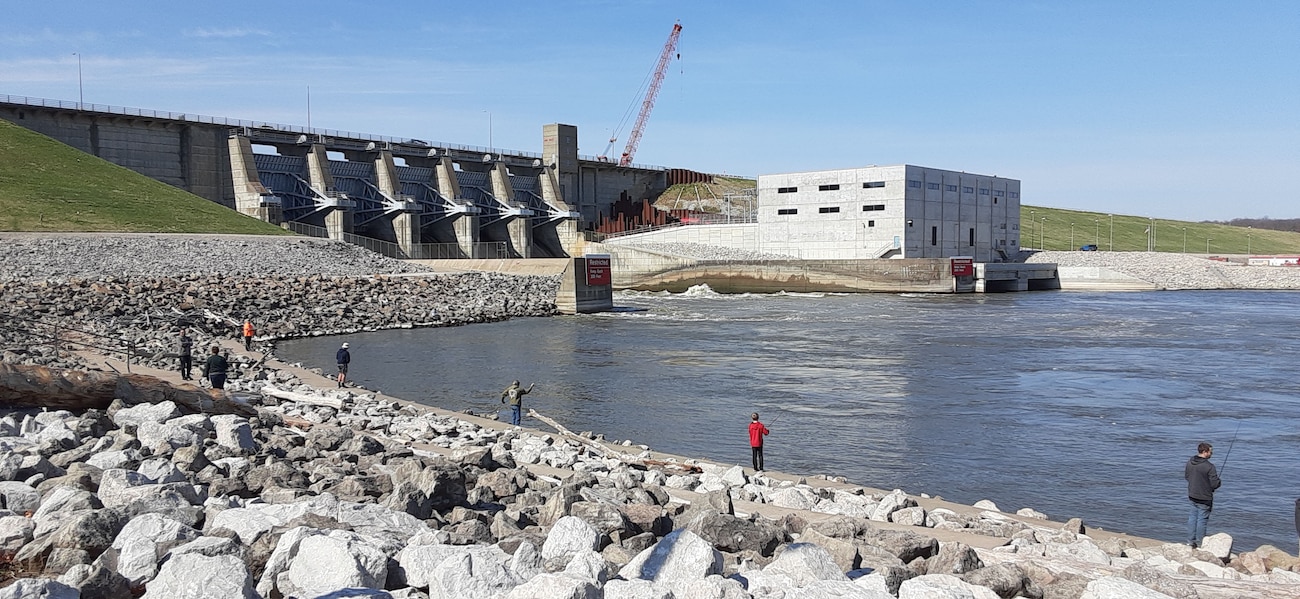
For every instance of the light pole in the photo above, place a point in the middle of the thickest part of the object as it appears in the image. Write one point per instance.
(1112, 232)
(1184, 240)
(1096, 231)
(81, 95)
(1151, 222)
(489, 113)
(1071, 236)
(1042, 234)
(1032, 221)
(1207, 246)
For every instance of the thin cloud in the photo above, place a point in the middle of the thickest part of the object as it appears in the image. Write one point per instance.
(229, 32)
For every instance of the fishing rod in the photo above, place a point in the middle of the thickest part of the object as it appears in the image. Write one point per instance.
(1229, 452)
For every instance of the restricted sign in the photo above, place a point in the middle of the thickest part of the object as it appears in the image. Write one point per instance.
(598, 272)
(963, 266)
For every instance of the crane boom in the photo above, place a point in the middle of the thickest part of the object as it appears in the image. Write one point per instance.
(649, 103)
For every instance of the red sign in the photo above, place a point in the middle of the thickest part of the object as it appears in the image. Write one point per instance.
(598, 272)
(963, 266)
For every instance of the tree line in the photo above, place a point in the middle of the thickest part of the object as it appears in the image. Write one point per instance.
(1281, 224)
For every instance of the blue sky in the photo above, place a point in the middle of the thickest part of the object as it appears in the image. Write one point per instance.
(1186, 110)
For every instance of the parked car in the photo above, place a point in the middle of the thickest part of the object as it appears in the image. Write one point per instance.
(1092, 247)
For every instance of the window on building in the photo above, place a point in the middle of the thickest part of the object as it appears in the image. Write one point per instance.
(950, 188)
(1015, 195)
(915, 184)
(787, 189)
(995, 200)
(832, 187)
(999, 193)
(872, 207)
(934, 186)
(984, 191)
(871, 223)
(934, 235)
(873, 184)
(965, 189)
(828, 209)
(783, 211)
(972, 237)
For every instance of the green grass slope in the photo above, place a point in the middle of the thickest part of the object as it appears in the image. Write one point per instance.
(1052, 228)
(46, 185)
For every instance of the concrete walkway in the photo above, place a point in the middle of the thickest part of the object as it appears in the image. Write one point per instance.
(324, 383)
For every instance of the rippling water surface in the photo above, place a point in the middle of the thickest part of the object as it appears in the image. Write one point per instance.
(1075, 404)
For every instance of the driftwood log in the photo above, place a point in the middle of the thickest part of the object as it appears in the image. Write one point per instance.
(24, 386)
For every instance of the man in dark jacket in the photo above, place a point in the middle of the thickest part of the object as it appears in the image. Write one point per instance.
(215, 369)
(1202, 480)
(186, 353)
(343, 357)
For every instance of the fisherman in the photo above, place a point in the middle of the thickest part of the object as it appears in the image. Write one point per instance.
(1202, 480)
(343, 357)
(248, 334)
(516, 395)
(214, 369)
(186, 354)
(756, 433)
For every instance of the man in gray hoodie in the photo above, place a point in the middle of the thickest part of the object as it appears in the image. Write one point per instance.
(1202, 480)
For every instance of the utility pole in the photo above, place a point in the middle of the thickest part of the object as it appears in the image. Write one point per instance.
(1112, 232)
(81, 95)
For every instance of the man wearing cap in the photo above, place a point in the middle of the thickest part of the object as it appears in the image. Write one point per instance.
(343, 358)
(516, 395)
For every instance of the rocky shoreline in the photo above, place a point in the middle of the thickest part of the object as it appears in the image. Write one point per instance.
(342, 493)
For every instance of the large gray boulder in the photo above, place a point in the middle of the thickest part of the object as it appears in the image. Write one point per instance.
(636, 589)
(942, 586)
(234, 432)
(804, 563)
(555, 586)
(146, 412)
(114, 483)
(38, 588)
(97, 582)
(335, 561)
(570, 534)
(1112, 586)
(161, 470)
(92, 531)
(142, 542)
(953, 558)
(733, 535)
(476, 573)
(19, 497)
(15, 531)
(681, 556)
(193, 575)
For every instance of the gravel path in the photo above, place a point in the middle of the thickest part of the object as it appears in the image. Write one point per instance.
(1179, 271)
(27, 256)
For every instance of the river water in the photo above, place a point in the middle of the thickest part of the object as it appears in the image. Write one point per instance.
(1074, 404)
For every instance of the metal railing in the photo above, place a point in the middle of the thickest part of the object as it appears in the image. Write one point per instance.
(58, 335)
(217, 120)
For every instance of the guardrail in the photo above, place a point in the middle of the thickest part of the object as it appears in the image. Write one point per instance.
(59, 335)
(217, 120)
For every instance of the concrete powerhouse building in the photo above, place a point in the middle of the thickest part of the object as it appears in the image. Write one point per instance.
(900, 211)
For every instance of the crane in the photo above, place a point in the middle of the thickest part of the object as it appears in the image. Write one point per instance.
(648, 104)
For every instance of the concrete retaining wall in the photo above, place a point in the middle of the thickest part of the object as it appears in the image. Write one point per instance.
(739, 236)
(1098, 278)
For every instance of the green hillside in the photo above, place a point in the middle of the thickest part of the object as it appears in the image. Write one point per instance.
(1050, 229)
(46, 185)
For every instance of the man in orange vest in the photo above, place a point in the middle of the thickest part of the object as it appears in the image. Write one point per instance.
(248, 335)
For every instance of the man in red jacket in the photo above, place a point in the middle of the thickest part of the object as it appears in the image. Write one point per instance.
(756, 432)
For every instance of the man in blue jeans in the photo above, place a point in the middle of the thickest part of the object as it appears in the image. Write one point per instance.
(1202, 480)
(515, 394)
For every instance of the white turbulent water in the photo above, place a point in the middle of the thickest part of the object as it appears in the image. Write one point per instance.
(1075, 404)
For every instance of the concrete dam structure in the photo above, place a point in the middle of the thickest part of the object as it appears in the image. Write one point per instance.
(404, 197)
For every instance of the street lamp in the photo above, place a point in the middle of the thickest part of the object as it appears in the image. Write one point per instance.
(1096, 230)
(1247, 241)
(81, 96)
(1042, 234)
(1184, 240)
(1112, 232)
(1151, 223)
(489, 113)
(1071, 236)
(1034, 222)
(1207, 246)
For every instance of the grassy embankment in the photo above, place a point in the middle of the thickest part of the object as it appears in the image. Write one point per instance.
(46, 185)
(1130, 234)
